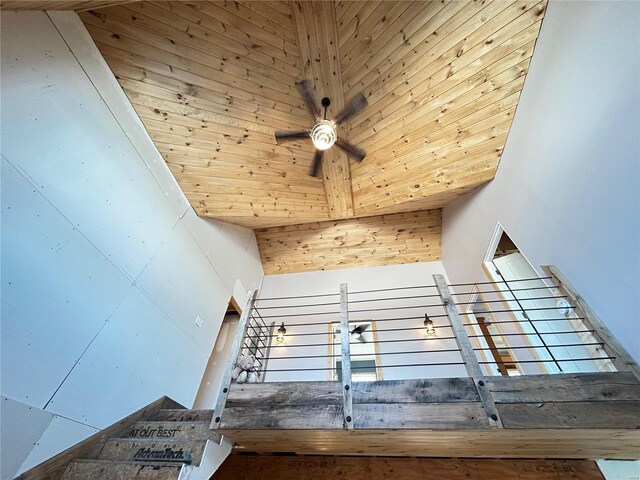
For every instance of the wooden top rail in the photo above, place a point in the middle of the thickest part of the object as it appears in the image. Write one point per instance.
(592, 415)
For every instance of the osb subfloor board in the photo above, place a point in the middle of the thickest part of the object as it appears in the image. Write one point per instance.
(250, 467)
(501, 443)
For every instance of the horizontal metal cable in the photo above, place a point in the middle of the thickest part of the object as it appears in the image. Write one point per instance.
(552, 361)
(261, 319)
(426, 339)
(296, 357)
(363, 368)
(301, 305)
(493, 283)
(411, 352)
(536, 334)
(259, 337)
(435, 364)
(525, 321)
(392, 298)
(359, 343)
(371, 331)
(296, 334)
(518, 310)
(257, 349)
(336, 322)
(407, 328)
(305, 345)
(546, 287)
(511, 300)
(252, 327)
(390, 289)
(541, 346)
(359, 320)
(256, 358)
(300, 315)
(297, 296)
(421, 317)
(403, 307)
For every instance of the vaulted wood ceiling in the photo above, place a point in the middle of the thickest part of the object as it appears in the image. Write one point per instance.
(212, 81)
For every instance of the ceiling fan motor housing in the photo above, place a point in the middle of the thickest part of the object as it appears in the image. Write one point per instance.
(323, 134)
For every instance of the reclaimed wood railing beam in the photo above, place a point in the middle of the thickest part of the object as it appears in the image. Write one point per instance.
(467, 353)
(622, 360)
(236, 346)
(345, 338)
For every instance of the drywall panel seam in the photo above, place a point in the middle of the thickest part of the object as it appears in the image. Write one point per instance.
(36, 187)
(82, 47)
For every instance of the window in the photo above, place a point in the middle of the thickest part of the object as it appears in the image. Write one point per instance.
(364, 367)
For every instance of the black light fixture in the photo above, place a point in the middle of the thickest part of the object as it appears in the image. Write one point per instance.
(281, 333)
(428, 326)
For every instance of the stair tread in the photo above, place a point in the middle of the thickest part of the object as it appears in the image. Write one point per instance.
(117, 470)
(182, 415)
(168, 430)
(127, 462)
(153, 450)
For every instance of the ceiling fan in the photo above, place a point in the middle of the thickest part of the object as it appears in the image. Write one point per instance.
(324, 134)
(357, 332)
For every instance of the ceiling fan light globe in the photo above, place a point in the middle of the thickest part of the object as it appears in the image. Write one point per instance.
(323, 134)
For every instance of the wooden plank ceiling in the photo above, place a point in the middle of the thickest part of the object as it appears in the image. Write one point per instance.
(362, 242)
(212, 80)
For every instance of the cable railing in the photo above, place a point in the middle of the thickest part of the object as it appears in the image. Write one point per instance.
(480, 330)
(390, 318)
(514, 327)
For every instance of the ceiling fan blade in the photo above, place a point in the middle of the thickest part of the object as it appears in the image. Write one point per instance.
(315, 166)
(304, 87)
(361, 339)
(280, 136)
(351, 149)
(360, 328)
(352, 107)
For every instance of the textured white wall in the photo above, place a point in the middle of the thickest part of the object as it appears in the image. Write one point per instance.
(104, 264)
(360, 279)
(568, 186)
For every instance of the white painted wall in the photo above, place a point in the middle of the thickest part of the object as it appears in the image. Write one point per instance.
(359, 279)
(104, 264)
(568, 186)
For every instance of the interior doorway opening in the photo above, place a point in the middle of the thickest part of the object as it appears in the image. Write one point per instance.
(212, 377)
(541, 335)
(365, 361)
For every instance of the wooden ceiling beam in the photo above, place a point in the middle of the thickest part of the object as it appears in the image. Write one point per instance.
(316, 30)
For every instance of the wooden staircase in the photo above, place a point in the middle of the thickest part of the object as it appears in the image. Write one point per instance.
(153, 443)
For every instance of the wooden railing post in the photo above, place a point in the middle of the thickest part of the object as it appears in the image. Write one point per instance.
(467, 353)
(622, 360)
(236, 347)
(345, 338)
